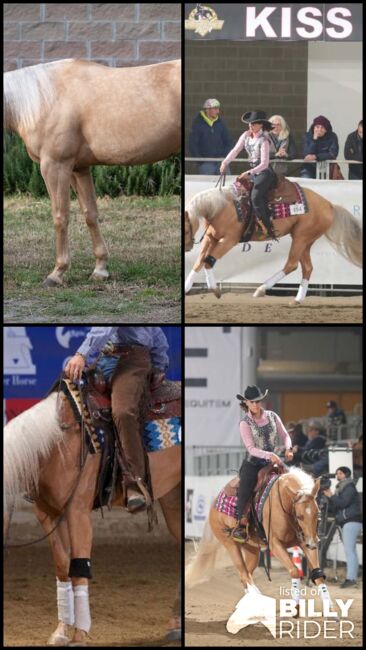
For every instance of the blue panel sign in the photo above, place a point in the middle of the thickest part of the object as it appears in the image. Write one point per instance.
(35, 355)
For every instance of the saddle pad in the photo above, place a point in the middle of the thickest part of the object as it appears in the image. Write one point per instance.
(283, 210)
(161, 434)
(227, 505)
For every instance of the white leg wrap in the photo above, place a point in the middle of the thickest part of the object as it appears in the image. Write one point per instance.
(301, 294)
(65, 602)
(274, 279)
(210, 279)
(324, 593)
(82, 610)
(295, 589)
(189, 281)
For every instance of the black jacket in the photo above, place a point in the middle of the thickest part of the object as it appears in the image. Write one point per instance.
(346, 504)
(207, 141)
(353, 150)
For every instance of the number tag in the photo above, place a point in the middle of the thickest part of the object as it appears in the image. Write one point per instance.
(297, 208)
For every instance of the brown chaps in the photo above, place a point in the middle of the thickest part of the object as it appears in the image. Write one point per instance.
(129, 385)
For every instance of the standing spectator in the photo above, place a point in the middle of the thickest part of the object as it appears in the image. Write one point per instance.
(209, 137)
(353, 150)
(319, 143)
(346, 504)
(335, 414)
(282, 145)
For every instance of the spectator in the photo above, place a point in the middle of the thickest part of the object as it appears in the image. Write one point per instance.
(345, 503)
(353, 150)
(209, 137)
(298, 438)
(335, 414)
(282, 145)
(319, 143)
(315, 441)
(357, 448)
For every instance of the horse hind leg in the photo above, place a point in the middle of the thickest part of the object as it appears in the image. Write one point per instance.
(57, 179)
(171, 506)
(82, 183)
(307, 268)
(295, 254)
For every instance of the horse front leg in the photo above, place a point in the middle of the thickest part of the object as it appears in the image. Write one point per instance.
(171, 507)
(81, 536)
(218, 250)
(57, 178)
(65, 597)
(197, 266)
(317, 576)
(283, 556)
(82, 183)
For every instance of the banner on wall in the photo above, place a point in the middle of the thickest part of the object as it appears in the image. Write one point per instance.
(273, 22)
(34, 357)
(255, 262)
(212, 378)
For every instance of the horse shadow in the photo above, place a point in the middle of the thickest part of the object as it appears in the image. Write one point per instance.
(250, 633)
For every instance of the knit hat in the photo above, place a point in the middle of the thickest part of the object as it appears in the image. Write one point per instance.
(345, 470)
(323, 121)
(211, 103)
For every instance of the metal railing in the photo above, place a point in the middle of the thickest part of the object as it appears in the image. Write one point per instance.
(322, 166)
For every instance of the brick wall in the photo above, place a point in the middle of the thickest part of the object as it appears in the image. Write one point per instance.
(243, 76)
(124, 34)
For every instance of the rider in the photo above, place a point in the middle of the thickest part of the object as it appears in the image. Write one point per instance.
(259, 429)
(134, 358)
(257, 143)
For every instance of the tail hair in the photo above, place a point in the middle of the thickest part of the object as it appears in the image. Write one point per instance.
(345, 235)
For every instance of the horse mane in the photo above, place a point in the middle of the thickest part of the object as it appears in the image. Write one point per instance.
(26, 91)
(28, 438)
(305, 481)
(209, 203)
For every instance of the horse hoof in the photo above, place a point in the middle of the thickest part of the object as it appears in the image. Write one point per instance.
(99, 276)
(217, 292)
(174, 635)
(294, 303)
(58, 640)
(260, 292)
(51, 282)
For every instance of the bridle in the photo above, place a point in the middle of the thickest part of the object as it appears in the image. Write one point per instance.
(293, 516)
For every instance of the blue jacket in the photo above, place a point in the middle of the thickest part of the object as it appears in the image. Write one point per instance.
(324, 148)
(209, 141)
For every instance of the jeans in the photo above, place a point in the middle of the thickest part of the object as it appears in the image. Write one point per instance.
(350, 533)
(107, 366)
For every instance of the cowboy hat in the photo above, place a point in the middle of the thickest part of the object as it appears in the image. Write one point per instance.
(257, 116)
(253, 394)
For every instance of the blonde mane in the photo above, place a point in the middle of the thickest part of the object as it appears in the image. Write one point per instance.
(28, 438)
(209, 203)
(304, 481)
(27, 91)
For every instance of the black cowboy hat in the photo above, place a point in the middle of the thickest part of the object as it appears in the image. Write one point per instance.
(257, 116)
(253, 394)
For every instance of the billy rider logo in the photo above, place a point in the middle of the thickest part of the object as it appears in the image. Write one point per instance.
(202, 20)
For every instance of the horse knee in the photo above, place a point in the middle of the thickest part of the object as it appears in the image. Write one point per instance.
(91, 217)
(60, 221)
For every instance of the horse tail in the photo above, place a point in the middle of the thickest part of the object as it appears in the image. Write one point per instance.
(27, 438)
(202, 566)
(345, 235)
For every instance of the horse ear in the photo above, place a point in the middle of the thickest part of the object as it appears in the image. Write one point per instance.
(315, 489)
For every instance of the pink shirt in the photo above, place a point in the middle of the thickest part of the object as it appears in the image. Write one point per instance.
(241, 144)
(247, 437)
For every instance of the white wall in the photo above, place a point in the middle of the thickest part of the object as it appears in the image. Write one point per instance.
(335, 87)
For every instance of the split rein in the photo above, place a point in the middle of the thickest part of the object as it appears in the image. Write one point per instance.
(83, 459)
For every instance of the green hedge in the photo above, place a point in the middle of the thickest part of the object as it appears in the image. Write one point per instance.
(21, 174)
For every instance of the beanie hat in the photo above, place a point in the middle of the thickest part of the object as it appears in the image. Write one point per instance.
(211, 103)
(323, 121)
(345, 470)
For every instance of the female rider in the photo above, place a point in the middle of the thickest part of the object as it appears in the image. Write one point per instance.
(257, 142)
(259, 430)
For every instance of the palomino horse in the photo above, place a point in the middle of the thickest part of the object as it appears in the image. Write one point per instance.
(290, 517)
(73, 114)
(223, 231)
(42, 458)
